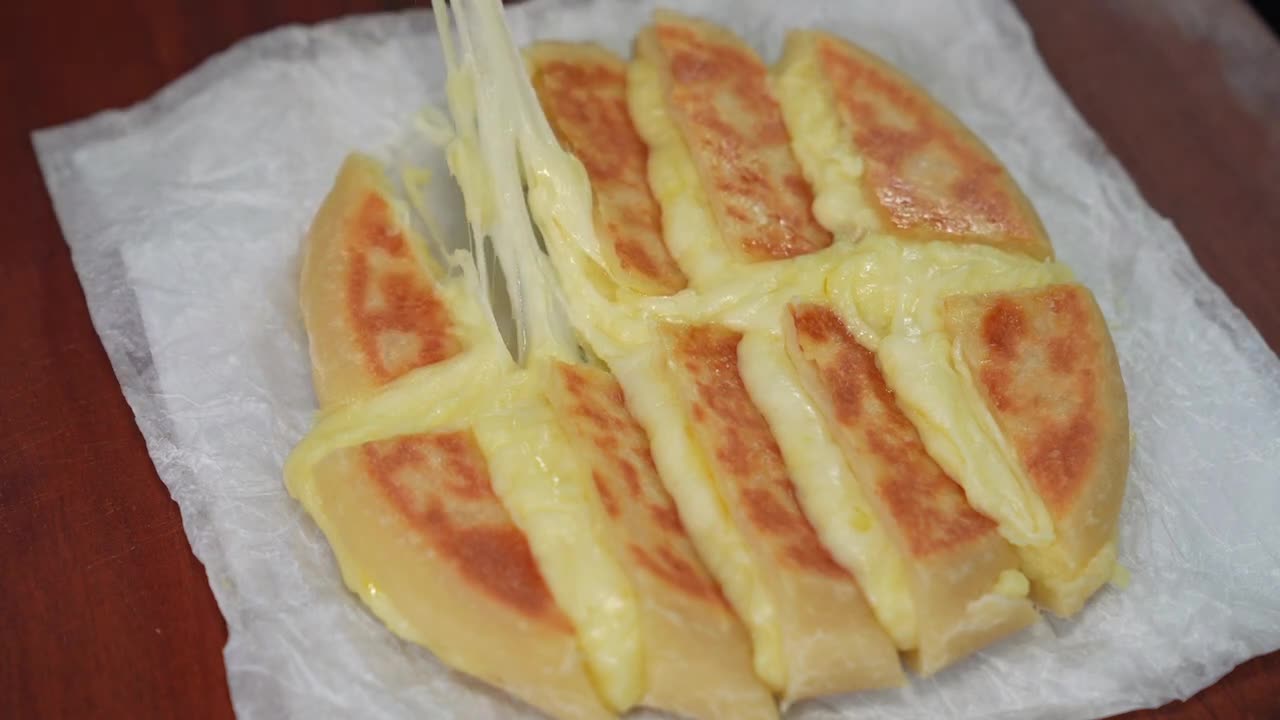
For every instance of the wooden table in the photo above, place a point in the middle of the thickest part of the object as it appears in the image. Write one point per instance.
(104, 612)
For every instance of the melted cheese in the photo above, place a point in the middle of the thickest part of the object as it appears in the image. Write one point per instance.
(831, 500)
(688, 225)
(538, 479)
(1061, 585)
(889, 291)
(547, 489)
(821, 144)
(652, 400)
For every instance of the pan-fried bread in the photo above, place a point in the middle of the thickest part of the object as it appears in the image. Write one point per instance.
(786, 422)
(837, 507)
(529, 466)
(964, 586)
(422, 539)
(583, 92)
(831, 642)
(714, 89)
(1043, 362)
(884, 156)
(372, 310)
(692, 640)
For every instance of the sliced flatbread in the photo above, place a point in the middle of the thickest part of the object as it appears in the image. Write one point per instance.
(831, 642)
(1044, 363)
(884, 156)
(963, 581)
(691, 637)
(583, 92)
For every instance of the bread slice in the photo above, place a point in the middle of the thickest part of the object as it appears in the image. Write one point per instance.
(697, 655)
(425, 543)
(884, 156)
(1044, 363)
(830, 641)
(372, 311)
(963, 586)
(583, 92)
(715, 92)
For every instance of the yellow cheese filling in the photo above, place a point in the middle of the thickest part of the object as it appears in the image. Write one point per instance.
(536, 476)
(821, 143)
(832, 501)
(548, 492)
(1063, 587)
(652, 399)
(688, 225)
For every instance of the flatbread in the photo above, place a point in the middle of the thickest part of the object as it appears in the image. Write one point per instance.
(1045, 365)
(583, 92)
(831, 641)
(372, 309)
(692, 639)
(717, 94)
(924, 175)
(954, 556)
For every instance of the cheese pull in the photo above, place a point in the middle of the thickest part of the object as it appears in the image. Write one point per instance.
(1044, 365)
(884, 156)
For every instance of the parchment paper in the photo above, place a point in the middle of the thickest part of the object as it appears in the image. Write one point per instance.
(184, 215)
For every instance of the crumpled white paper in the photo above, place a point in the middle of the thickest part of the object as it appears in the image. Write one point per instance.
(184, 216)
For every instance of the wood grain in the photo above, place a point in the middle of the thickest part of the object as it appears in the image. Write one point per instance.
(104, 612)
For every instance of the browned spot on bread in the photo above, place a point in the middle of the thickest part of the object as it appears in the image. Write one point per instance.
(665, 516)
(461, 520)
(677, 571)
(719, 97)
(814, 557)
(1003, 327)
(881, 444)
(584, 97)
(591, 408)
(926, 173)
(1041, 357)
(607, 499)
(747, 460)
(768, 513)
(1059, 455)
(400, 321)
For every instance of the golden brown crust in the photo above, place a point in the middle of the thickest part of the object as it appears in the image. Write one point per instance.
(831, 642)
(717, 94)
(693, 640)
(928, 508)
(583, 92)
(953, 554)
(928, 176)
(372, 310)
(1046, 367)
(421, 537)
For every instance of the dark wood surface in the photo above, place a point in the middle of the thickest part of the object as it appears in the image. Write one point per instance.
(104, 612)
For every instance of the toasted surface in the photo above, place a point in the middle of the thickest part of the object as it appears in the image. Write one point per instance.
(1046, 367)
(954, 555)
(583, 92)
(717, 94)
(372, 310)
(422, 539)
(831, 642)
(925, 175)
(692, 640)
